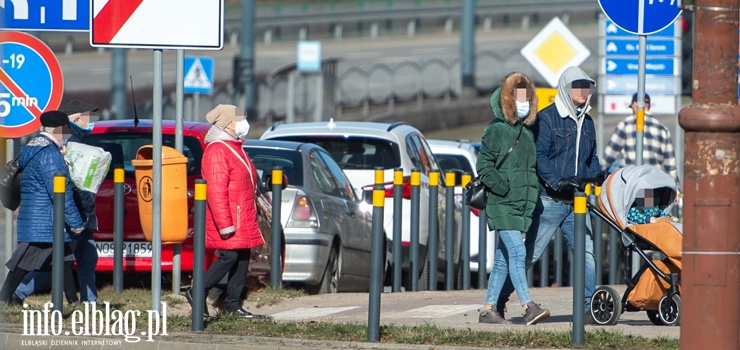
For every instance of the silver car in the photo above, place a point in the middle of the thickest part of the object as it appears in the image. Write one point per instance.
(327, 234)
(360, 147)
(461, 156)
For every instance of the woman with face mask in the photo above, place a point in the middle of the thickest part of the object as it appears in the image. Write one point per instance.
(506, 165)
(231, 214)
(40, 160)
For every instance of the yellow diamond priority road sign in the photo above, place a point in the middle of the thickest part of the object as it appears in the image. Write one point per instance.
(553, 50)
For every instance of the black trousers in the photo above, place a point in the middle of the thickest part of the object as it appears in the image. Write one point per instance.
(15, 277)
(236, 264)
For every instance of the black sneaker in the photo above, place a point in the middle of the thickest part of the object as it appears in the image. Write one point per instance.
(189, 298)
(534, 314)
(15, 300)
(240, 312)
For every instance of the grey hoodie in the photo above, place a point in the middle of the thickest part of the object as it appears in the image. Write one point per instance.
(564, 102)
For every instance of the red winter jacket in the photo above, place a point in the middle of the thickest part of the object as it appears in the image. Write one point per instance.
(231, 197)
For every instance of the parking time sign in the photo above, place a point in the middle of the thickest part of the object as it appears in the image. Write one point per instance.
(30, 83)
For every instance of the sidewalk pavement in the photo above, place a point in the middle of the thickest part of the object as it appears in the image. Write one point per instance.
(454, 309)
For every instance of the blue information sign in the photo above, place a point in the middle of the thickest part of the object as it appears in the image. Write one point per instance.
(198, 75)
(612, 30)
(630, 47)
(656, 66)
(46, 15)
(627, 84)
(655, 16)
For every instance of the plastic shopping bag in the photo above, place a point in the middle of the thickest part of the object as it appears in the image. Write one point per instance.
(88, 165)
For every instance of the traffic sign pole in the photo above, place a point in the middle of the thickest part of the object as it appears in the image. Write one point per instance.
(640, 115)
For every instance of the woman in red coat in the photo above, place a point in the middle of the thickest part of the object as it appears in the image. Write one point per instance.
(231, 213)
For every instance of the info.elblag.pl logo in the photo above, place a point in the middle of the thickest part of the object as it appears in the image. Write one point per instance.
(94, 321)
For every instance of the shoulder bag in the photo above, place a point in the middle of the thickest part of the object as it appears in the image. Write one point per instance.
(10, 185)
(475, 197)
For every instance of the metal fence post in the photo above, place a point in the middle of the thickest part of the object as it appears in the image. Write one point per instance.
(276, 276)
(465, 239)
(376, 265)
(397, 228)
(57, 264)
(613, 255)
(197, 291)
(558, 259)
(433, 239)
(450, 231)
(118, 177)
(483, 248)
(414, 255)
(579, 266)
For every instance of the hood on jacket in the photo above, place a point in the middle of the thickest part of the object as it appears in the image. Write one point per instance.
(78, 134)
(503, 100)
(563, 100)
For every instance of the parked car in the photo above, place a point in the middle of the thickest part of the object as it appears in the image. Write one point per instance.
(360, 147)
(460, 157)
(327, 233)
(122, 138)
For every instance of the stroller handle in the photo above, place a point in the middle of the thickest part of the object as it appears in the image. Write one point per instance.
(592, 180)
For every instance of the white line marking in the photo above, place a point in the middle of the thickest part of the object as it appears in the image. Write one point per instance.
(439, 311)
(310, 312)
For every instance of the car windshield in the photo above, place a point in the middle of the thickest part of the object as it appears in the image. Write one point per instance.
(123, 148)
(449, 162)
(355, 152)
(265, 159)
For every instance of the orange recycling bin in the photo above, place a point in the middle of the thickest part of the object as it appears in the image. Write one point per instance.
(174, 193)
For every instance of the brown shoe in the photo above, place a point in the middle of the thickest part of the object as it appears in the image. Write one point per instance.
(491, 316)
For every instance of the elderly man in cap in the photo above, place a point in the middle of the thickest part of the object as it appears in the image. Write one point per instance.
(83, 245)
(231, 215)
(40, 159)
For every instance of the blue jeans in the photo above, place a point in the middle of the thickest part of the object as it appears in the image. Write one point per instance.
(508, 262)
(548, 216)
(86, 256)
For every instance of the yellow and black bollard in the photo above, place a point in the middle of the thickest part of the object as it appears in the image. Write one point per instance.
(57, 259)
(276, 275)
(197, 290)
(397, 228)
(465, 239)
(118, 210)
(450, 231)
(376, 265)
(433, 238)
(414, 268)
(579, 266)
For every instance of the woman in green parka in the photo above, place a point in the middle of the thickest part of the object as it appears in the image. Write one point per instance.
(513, 188)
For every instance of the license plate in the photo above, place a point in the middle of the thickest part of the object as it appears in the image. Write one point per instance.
(130, 249)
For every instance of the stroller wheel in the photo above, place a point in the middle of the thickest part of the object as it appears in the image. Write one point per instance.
(605, 307)
(669, 310)
(654, 317)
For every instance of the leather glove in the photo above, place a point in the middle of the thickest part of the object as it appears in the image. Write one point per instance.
(563, 184)
(601, 176)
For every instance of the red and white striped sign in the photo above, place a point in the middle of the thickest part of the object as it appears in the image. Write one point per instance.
(157, 24)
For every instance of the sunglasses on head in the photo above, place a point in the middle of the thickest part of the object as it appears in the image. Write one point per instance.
(581, 84)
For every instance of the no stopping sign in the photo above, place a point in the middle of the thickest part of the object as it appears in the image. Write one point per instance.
(30, 83)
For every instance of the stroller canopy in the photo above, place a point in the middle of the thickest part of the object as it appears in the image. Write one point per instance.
(625, 185)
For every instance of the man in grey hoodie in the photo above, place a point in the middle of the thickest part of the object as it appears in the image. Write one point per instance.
(565, 137)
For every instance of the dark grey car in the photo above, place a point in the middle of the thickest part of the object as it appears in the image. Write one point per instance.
(327, 231)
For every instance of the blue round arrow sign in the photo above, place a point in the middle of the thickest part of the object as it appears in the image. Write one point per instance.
(655, 16)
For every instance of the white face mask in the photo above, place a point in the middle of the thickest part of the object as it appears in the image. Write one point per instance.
(522, 109)
(241, 129)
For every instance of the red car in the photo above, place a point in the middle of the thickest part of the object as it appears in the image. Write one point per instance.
(122, 139)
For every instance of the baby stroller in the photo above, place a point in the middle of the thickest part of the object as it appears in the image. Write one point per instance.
(635, 201)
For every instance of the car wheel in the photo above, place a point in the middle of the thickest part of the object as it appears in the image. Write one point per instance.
(330, 281)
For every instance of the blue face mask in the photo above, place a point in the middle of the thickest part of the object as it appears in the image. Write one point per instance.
(522, 109)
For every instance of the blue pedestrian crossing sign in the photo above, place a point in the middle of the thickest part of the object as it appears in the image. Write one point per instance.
(641, 17)
(198, 75)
